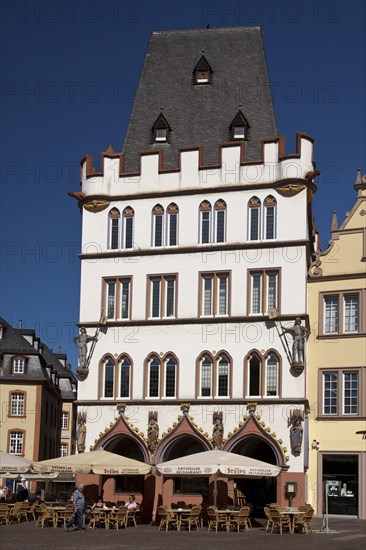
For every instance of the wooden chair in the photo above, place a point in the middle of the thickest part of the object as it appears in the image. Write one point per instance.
(279, 520)
(167, 519)
(119, 518)
(269, 518)
(303, 521)
(99, 518)
(191, 519)
(240, 498)
(215, 519)
(241, 519)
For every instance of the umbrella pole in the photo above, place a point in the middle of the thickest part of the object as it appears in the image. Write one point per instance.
(215, 489)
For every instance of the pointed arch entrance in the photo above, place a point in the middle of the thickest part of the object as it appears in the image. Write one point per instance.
(123, 444)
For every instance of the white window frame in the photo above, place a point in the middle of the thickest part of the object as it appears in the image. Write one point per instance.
(265, 221)
(117, 301)
(63, 449)
(109, 284)
(161, 134)
(64, 424)
(168, 226)
(105, 362)
(250, 221)
(120, 377)
(155, 216)
(215, 278)
(325, 326)
(324, 374)
(16, 441)
(217, 368)
(211, 378)
(249, 395)
(18, 365)
(124, 230)
(216, 224)
(17, 404)
(110, 230)
(121, 282)
(239, 132)
(344, 374)
(163, 281)
(347, 296)
(165, 378)
(277, 376)
(209, 223)
(264, 275)
(149, 379)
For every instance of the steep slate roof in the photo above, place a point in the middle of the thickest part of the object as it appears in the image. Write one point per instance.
(14, 343)
(201, 114)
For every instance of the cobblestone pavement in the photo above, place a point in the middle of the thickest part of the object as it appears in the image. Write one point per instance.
(350, 533)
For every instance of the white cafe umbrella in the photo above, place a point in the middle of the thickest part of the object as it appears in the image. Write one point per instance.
(218, 462)
(14, 464)
(97, 462)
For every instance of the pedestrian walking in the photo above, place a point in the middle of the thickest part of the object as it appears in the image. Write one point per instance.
(79, 506)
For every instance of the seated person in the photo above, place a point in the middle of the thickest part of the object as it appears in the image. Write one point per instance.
(131, 504)
(99, 503)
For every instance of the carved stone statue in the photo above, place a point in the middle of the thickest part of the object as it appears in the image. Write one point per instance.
(81, 432)
(153, 431)
(296, 431)
(299, 335)
(218, 430)
(81, 342)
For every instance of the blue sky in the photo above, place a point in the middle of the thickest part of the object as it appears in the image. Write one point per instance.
(69, 74)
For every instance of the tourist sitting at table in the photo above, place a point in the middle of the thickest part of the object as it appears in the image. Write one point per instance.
(131, 505)
(98, 503)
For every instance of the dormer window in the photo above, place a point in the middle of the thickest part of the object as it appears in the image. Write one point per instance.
(160, 129)
(239, 132)
(160, 134)
(202, 72)
(239, 127)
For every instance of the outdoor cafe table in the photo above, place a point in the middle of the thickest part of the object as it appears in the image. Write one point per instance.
(178, 512)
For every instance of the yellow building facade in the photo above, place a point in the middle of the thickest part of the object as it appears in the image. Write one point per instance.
(337, 367)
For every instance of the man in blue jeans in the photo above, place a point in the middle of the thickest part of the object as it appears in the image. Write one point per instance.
(79, 505)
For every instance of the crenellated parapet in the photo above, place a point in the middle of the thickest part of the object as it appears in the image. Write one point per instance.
(274, 167)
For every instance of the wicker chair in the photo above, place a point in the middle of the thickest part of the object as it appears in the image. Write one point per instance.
(63, 516)
(4, 514)
(241, 519)
(119, 518)
(303, 521)
(131, 517)
(167, 519)
(215, 519)
(19, 511)
(191, 519)
(269, 518)
(31, 512)
(279, 521)
(99, 518)
(45, 516)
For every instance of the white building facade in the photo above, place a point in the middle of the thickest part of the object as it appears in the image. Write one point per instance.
(181, 268)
